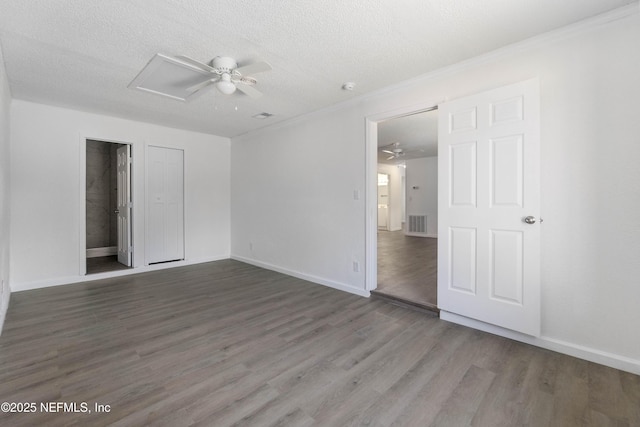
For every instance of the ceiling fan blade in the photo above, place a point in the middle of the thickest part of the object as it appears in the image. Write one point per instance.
(388, 152)
(197, 64)
(248, 90)
(391, 157)
(202, 85)
(255, 68)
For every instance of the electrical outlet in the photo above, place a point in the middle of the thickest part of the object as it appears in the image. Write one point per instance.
(356, 267)
(251, 246)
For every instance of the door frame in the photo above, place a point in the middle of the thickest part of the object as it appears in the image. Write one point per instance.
(82, 213)
(371, 184)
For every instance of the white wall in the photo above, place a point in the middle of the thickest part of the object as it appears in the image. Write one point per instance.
(293, 203)
(423, 200)
(395, 194)
(46, 193)
(5, 103)
(293, 197)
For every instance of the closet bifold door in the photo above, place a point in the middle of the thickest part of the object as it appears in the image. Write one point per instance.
(165, 205)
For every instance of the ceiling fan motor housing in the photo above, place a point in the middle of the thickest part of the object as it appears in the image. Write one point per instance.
(224, 64)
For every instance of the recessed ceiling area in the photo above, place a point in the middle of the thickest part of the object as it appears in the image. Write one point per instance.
(83, 55)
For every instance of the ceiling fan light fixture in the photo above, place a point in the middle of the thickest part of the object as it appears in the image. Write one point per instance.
(225, 85)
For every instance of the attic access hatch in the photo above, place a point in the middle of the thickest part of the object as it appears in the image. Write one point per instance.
(169, 77)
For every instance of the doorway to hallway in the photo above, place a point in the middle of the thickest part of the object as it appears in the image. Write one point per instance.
(407, 210)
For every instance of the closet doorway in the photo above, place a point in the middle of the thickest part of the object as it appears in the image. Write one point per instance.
(108, 206)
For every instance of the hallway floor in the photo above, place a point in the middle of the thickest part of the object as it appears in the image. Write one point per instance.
(407, 267)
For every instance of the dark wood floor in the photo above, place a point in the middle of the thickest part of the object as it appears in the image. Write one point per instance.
(226, 343)
(407, 267)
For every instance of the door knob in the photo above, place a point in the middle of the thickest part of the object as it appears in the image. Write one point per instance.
(530, 219)
(116, 211)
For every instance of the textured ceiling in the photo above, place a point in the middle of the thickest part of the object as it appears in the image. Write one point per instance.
(83, 53)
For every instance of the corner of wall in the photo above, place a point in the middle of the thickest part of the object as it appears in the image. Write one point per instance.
(4, 306)
(5, 189)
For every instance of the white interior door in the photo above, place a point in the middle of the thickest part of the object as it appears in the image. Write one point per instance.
(488, 254)
(165, 205)
(123, 155)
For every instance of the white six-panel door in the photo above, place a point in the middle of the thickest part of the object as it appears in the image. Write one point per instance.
(165, 205)
(123, 170)
(488, 175)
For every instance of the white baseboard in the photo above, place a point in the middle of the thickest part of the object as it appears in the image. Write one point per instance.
(27, 286)
(575, 350)
(98, 252)
(304, 276)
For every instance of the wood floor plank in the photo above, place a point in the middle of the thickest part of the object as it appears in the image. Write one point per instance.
(434, 393)
(607, 400)
(236, 410)
(571, 403)
(534, 397)
(296, 386)
(461, 407)
(407, 266)
(392, 404)
(502, 403)
(226, 343)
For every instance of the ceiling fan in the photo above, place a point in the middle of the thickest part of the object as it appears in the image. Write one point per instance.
(183, 78)
(393, 149)
(226, 76)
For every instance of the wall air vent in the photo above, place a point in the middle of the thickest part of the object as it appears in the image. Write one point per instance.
(417, 224)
